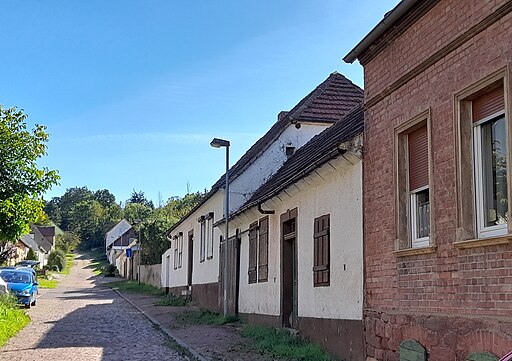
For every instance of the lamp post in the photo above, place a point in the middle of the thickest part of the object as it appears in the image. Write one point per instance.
(218, 143)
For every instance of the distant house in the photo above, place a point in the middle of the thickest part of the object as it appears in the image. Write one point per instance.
(30, 243)
(300, 242)
(114, 234)
(192, 264)
(125, 265)
(44, 237)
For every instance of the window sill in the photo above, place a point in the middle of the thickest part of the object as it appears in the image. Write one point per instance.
(415, 251)
(483, 242)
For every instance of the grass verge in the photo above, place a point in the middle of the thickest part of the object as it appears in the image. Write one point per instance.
(70, 262)
(12, 319)
(282, 344)
(172, 300)
(45, 283)
(204, 317)
(135, 287)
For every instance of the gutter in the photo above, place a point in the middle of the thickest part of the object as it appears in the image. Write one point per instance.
(389, 20)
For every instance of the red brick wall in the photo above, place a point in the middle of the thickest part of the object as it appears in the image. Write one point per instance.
(449, 282)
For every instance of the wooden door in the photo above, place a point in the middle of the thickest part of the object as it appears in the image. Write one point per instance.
(289, 286)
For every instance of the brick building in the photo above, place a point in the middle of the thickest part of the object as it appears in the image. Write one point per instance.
(438, 238)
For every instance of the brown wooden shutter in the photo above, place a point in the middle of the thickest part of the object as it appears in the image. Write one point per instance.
(253, 250)
(418, 158)
(488, 104)
(321, 251)
(263, 251)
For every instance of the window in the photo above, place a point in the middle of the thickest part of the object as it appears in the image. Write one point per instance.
(263, 250)
(417, 146)
(253, 250)
(321, 251)
(175, 238)
(180, 249)
(202, 238)
(209, 235)
(258, 251)
(413, 184)
(490, 163)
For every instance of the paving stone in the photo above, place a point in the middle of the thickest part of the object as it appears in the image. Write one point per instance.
(81, 321)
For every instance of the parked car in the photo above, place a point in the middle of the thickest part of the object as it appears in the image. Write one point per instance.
(21, 283)
(27, 263)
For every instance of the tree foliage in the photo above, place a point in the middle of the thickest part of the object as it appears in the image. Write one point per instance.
(139, 197)
(67, 242)
(22, 181)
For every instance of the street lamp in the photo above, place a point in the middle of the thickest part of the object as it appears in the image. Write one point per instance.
(218, 143)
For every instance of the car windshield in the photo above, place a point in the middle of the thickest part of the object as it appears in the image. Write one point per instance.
(15, 277)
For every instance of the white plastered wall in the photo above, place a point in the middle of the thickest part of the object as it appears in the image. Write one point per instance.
(203, 272)
(241, 188)
(263, 167)
(335, 189)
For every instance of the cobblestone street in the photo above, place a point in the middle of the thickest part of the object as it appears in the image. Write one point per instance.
(81, 321)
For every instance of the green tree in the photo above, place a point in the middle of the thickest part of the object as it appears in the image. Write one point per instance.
(154, 229)
(31, 255)
(67, 242)
(105, 198)
(85, 220)
(67, 203)
(139, 197)
(22, 181)
(137, 212)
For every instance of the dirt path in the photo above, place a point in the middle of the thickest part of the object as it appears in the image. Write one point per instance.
(80, 320)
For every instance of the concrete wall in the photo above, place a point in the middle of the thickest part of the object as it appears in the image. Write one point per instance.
(453, 300)
(151, 275)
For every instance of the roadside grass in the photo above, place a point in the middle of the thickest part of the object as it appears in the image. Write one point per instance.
(204, 317)
(47, 280)
(98, 262)
(70, 262)
(172, 300)
(12, 318)
(46, 283)
(135, 287)
(282, 344)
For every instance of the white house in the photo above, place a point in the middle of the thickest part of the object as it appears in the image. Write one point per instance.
(192, 265)
(111, 236)
(301, 243)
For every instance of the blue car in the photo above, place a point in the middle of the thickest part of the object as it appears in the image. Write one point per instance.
(22, 284)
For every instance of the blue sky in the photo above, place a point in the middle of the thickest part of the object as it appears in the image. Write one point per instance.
(132, 92)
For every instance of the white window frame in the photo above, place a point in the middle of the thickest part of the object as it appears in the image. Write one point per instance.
(413, 197)
(180, 250)
(202, 238)
(482, 230)
(209, 236)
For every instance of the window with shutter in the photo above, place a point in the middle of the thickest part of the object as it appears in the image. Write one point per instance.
(419, 197)
(321, 251)
(263, 250)
(412, 161)
(202, 238)
(490, 162)
(253, 252)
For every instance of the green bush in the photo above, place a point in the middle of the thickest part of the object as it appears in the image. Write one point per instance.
(31, 255)
(110, 270)
(57, 258)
